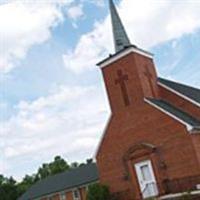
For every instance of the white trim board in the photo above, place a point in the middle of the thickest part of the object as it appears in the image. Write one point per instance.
(179, 94)
(188, 126)
(124, 53)
(102, 137)
(169, 196)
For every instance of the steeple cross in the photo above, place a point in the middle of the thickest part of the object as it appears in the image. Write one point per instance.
(122, 78)
(150, 77)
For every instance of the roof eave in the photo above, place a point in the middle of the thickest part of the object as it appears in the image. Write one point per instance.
(182, 95)
(128, 49)
(195, 130)
(190, 127)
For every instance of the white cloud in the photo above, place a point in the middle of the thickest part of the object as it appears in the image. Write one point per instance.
(148, 23)
(91, 48)
(75, 12)
(68, 121)
(24, 24)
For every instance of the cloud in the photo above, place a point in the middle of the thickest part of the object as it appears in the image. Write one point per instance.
(91, 48)
(68, 122)
(148, 23)
(75, 12)
(24, 24)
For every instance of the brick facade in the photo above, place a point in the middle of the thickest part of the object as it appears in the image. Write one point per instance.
(68, 195)
(139, 131)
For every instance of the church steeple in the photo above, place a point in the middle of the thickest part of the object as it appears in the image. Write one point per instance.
(129, 74)
(121, 39)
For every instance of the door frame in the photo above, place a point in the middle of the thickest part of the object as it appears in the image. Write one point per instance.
(138, 166)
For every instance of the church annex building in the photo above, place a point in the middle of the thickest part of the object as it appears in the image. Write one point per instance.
(151, 143)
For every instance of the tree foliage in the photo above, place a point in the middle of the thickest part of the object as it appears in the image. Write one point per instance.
(10, 189)
(98, 192)
(57, 166)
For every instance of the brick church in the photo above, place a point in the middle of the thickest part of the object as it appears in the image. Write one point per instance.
(151, 144)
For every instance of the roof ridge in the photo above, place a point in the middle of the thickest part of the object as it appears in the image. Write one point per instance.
(44, 186)
(176, 82)
(172, 110)
(190, 93)
(179, 109)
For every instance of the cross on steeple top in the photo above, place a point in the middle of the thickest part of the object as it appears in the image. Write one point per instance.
(121, 39)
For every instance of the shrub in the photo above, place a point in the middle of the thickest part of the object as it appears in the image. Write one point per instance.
(98, 192)
(187, 196)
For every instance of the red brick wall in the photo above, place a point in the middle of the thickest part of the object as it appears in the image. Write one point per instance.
(134, 66)
(145, 65)
(141, 123)
(196, 143)
(69, 195)
(56, 197)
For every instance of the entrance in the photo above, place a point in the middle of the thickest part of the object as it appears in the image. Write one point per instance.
(146, 178)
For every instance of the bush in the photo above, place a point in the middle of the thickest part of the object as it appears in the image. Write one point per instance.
(98, 192)
(187, 196)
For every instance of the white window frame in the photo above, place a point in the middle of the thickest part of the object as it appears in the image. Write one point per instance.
(79, 196)
(50, 197)
(61, 196)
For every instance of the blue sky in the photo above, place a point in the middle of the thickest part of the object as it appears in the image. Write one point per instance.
(52, 97)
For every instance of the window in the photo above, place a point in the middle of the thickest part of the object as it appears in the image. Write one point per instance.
(76, 194)
(63, 196)
(50, 198)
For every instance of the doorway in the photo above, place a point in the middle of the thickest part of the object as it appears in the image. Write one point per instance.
(146, 179)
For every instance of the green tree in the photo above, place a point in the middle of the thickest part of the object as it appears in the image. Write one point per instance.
(8, 188)
(75, 165)
(11, 190)
(98, 192)
(25, 184)
(58, 165)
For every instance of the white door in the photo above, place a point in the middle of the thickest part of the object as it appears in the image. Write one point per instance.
(146, 178)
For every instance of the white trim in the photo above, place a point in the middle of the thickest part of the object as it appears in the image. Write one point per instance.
(78, 193)
(179, 94)
(102, 136)
(124, 53)
(61, 194)
(50, 197)
(188, 126)
(169, 196)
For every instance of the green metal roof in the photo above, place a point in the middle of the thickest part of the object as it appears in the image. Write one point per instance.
(64, 181)
(176, 112)
(188, 91)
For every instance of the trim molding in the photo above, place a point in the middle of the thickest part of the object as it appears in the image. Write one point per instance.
(102, 137)
(179, 94)
(169, 196)
(124, 53)
(188, 126)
